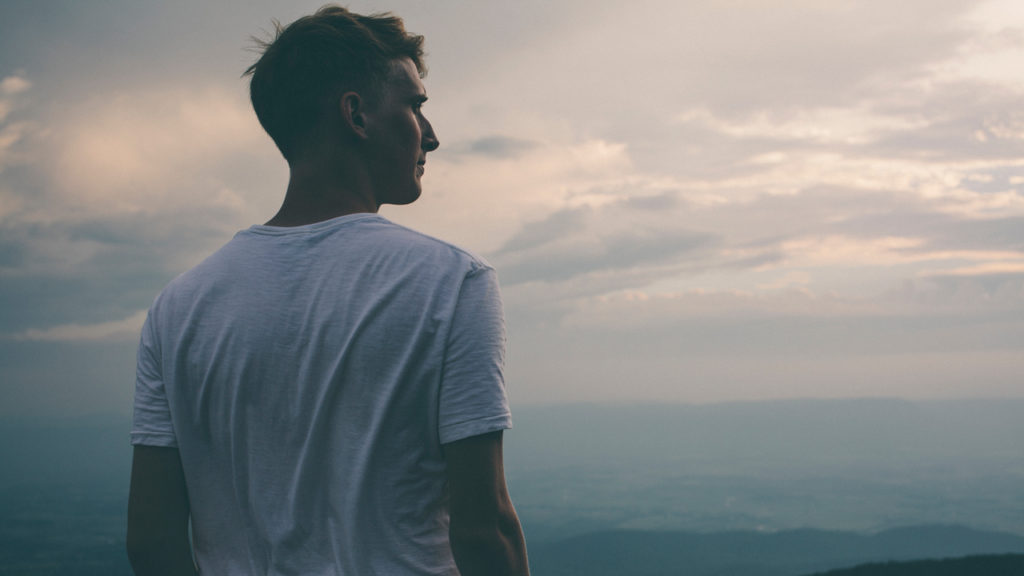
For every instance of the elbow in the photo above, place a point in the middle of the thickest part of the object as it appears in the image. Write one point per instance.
(484, 525)
(479, 539)
(492, 546)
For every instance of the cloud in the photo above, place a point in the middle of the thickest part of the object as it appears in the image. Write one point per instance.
(582, 256)
(11, 85)
(496, 147)
(557, 225)
(127, 328)
(997, 289)
(991, 54)
(963, 119)
(12, 89)
(728, 200)
(10, 135)
(89, 271)
(614, 236)
(941, 231)
(126, 152)
(483, 202)
(733, 58)
(851, 252)
(152, 149)
(801, 124)
(988, 268)
(118, 191)
(856, 125)
(930, 339)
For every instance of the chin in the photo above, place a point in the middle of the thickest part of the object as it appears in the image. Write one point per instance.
(403, 199)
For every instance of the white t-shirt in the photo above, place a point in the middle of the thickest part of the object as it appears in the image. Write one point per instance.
(309, 376)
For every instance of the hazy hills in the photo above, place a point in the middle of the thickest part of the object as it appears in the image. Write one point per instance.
(647, 486)
(790, 553)
(999, 565)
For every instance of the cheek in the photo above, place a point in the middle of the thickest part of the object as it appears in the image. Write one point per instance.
(415, 135)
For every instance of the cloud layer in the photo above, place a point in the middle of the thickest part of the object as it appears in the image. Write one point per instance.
(684, 201)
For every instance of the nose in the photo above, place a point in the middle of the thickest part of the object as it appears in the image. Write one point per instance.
(429, 139)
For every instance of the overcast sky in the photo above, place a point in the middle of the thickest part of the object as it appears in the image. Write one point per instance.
(685, 201)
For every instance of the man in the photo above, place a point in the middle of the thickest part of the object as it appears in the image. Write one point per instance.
(324, 394)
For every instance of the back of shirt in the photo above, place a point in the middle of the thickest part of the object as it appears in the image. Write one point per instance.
(308, 377)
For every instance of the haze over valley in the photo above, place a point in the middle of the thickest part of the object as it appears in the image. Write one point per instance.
(693, 477)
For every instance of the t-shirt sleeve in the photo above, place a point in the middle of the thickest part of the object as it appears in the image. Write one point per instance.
(473, 400)
(151, 416)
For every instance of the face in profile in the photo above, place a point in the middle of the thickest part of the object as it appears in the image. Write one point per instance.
(399, 136)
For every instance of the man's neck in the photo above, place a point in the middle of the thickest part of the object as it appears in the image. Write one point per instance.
(317, 195)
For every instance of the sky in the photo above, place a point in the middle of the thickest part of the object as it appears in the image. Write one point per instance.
(685, 201)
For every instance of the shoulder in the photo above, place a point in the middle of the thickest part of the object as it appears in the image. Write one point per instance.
(184, 288)
(430, 246)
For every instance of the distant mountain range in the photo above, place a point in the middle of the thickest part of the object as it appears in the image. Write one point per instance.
(54, 546)
(1000, 565)
(789, 553)
(636, 490)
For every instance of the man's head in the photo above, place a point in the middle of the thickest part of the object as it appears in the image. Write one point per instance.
(393, 134)
(298, 82)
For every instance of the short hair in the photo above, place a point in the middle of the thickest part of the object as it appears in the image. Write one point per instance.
(312, 61)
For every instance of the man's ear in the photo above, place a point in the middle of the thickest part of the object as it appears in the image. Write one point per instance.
(353, 116)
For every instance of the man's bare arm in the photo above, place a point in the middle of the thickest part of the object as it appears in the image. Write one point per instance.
(158, 513)
(485, 534)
